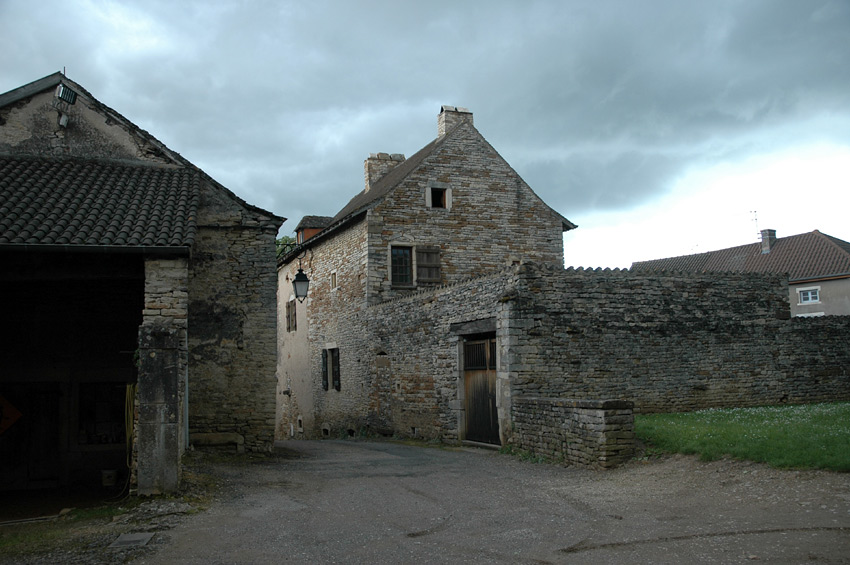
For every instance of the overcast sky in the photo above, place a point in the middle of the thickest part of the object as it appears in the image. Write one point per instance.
(661, 128)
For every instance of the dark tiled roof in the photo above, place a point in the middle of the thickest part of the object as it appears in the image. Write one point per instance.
(806, 256)
(96, 203)
(308, 222)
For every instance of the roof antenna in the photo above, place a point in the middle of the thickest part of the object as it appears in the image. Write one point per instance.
(756, 221)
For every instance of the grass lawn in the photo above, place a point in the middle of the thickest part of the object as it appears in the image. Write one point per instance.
(812, 436)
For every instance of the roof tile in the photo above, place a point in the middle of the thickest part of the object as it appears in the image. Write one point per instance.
(806, 256)
(104, 203)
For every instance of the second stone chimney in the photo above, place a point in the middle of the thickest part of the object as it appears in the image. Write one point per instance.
(378, 165)
(768, 238)
(449, 117)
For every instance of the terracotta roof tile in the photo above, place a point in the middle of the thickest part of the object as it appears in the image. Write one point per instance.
(98, 203)
(806, 256)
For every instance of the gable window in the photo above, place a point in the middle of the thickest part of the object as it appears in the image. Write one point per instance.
(809, 295)
(291, 325)
(427, 264)
(330, 368)
(438, 195)
(402, 266)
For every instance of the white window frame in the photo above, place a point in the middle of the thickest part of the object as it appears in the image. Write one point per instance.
(808, 290)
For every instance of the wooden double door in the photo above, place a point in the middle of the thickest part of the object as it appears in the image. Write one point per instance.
(479, 371)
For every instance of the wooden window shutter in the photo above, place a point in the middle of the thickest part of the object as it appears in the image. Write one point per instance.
(324, 369)
(335, 367)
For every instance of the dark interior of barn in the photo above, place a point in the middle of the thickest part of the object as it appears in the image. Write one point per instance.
(67, 369)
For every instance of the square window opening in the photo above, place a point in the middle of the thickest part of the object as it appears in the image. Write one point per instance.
(438, 198)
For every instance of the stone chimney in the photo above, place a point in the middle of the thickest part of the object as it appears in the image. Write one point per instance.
(768, 238)
(378, 165)
(449, 117)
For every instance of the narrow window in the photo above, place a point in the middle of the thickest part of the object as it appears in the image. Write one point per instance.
(428, 265)
(330, 369)
(333, 280)
(291, 324)
(402, 266)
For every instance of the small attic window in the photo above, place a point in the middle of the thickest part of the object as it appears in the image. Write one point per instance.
(66, 94)
(438, 195)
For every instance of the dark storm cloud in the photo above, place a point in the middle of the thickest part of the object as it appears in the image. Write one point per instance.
(599, 106)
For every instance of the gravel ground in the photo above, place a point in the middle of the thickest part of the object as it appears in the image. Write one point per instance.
(387, 502)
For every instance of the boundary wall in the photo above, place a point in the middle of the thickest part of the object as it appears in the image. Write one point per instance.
(671, 342)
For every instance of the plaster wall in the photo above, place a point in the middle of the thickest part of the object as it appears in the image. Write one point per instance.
(834, 298)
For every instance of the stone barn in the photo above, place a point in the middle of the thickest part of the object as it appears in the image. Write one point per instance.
(140, 300)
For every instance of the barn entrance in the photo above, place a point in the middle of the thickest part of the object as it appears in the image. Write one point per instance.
(479, 372)
(67, 367)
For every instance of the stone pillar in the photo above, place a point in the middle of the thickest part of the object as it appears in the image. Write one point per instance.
(163, 363)
(159, 429)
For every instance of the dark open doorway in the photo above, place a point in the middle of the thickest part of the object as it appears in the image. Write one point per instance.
(67, 367)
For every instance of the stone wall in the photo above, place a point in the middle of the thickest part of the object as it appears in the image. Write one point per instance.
(342, 259)
(670, 342)
(232, 326)
(399, 363)
(495, 218)
(588, 433)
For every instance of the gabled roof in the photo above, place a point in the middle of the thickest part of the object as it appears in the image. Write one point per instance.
(808, 256)
(315, 222)
(395, 176)
(365, 200)
(55, 79)
(76, 202)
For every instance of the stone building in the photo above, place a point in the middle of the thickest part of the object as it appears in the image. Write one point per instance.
(439, 307)
(453, 211)
(140, 299)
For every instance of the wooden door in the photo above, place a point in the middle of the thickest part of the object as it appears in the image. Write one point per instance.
(482, 421)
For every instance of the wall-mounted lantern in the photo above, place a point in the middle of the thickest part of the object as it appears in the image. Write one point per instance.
(300, 284)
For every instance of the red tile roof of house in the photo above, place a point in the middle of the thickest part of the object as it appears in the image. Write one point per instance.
(808, 256)
(74, 202)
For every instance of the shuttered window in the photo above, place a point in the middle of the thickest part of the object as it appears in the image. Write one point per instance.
(330, 369)
(427, 264)
(291, 324)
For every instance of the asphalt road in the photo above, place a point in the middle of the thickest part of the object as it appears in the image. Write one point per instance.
(384, 502)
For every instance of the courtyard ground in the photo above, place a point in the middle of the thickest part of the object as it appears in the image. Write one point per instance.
(386, 502)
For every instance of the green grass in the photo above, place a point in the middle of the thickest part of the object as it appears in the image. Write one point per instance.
(813, 436)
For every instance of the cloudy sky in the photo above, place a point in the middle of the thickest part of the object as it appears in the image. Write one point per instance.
(661, 128)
